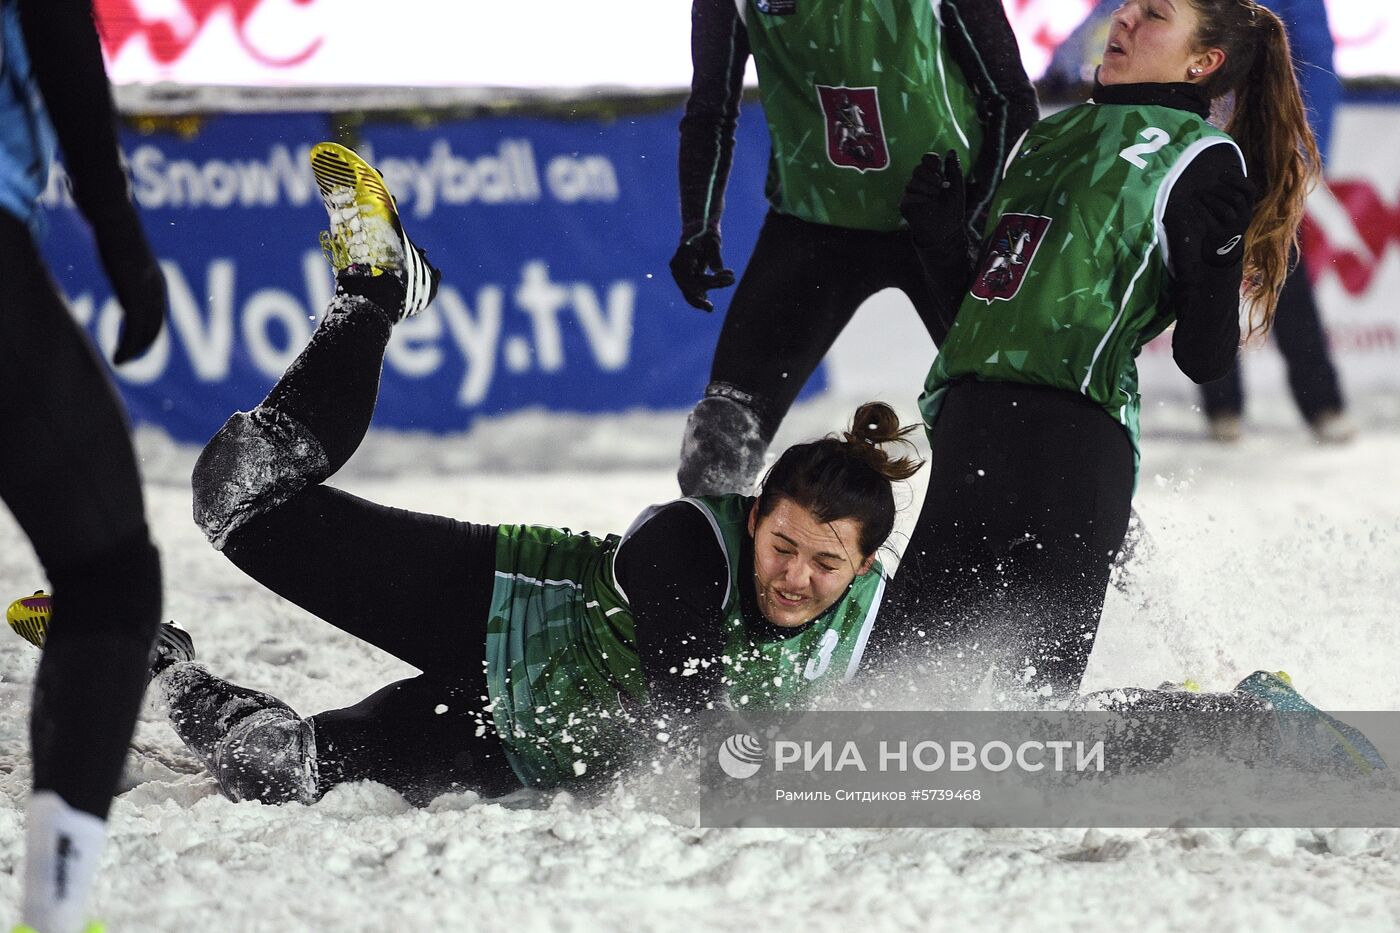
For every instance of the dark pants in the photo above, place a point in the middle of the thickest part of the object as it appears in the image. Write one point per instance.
(1298, 332)
(69, 476)
(802, 285)
(416, 585)
(1028, 501)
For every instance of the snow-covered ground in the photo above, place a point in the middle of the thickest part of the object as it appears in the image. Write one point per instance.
(1273, 553)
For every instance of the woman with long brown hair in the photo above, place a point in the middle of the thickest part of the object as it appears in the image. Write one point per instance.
(1114, 219)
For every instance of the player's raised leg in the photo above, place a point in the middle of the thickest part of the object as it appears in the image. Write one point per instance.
(317, 414)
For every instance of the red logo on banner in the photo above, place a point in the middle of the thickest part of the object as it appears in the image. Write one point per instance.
(170, 28)
(1008, 255)
(1377, 225)
(854, 137)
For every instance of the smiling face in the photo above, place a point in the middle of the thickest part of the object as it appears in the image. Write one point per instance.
(802, 566)
(1154, 41)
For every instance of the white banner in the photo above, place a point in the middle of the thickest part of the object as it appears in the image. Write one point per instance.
(535, 44)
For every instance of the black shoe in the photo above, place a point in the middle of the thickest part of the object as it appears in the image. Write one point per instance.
(173, 645)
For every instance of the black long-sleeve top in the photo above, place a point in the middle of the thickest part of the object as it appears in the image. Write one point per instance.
(675, 575)
(979, 39)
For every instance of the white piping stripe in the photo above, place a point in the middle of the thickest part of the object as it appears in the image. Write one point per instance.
(948, 102)
(1015, 151)
(647, 514)
(865, 629)
(1159, 238)
(1188, 155)
(943, 78)
(642, 518)
(1122, 308)
(535, 581)
(719, 536)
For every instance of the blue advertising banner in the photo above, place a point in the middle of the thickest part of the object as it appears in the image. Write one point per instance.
(553, 236)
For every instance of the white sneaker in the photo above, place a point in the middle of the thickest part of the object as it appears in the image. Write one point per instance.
(1226, 429)
(1333, 427)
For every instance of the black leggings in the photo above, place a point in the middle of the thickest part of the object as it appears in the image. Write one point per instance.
(1028, 500)
(69, 476)
(801, 287)
(416, 585)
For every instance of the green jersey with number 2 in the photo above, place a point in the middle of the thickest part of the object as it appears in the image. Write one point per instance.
(1075, 262)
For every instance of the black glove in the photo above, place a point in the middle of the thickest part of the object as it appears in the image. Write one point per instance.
(136, 279)
(934, 203)
(1212, 227)
(697, 268)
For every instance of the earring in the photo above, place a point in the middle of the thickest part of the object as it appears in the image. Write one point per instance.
(1194, 71)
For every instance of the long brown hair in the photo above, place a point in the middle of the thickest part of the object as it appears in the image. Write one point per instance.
(1269, 122)
(847, 476)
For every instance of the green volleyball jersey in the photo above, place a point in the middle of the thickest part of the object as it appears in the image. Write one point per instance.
(561, 646)
(854, 95)
(779, 674)
(1074, 264)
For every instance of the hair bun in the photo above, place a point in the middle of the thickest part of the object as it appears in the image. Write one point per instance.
(874, 425)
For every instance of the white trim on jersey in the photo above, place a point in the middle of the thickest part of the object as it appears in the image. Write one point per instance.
(536, 581)
(1015, 151)
(1159, 237)
(943, 80)
(1122, 309)
(865, 628)
(1188, 155)
(642, 518)
(719, 537)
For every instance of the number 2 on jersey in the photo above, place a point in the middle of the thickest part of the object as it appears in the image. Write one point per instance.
(1156, 139)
